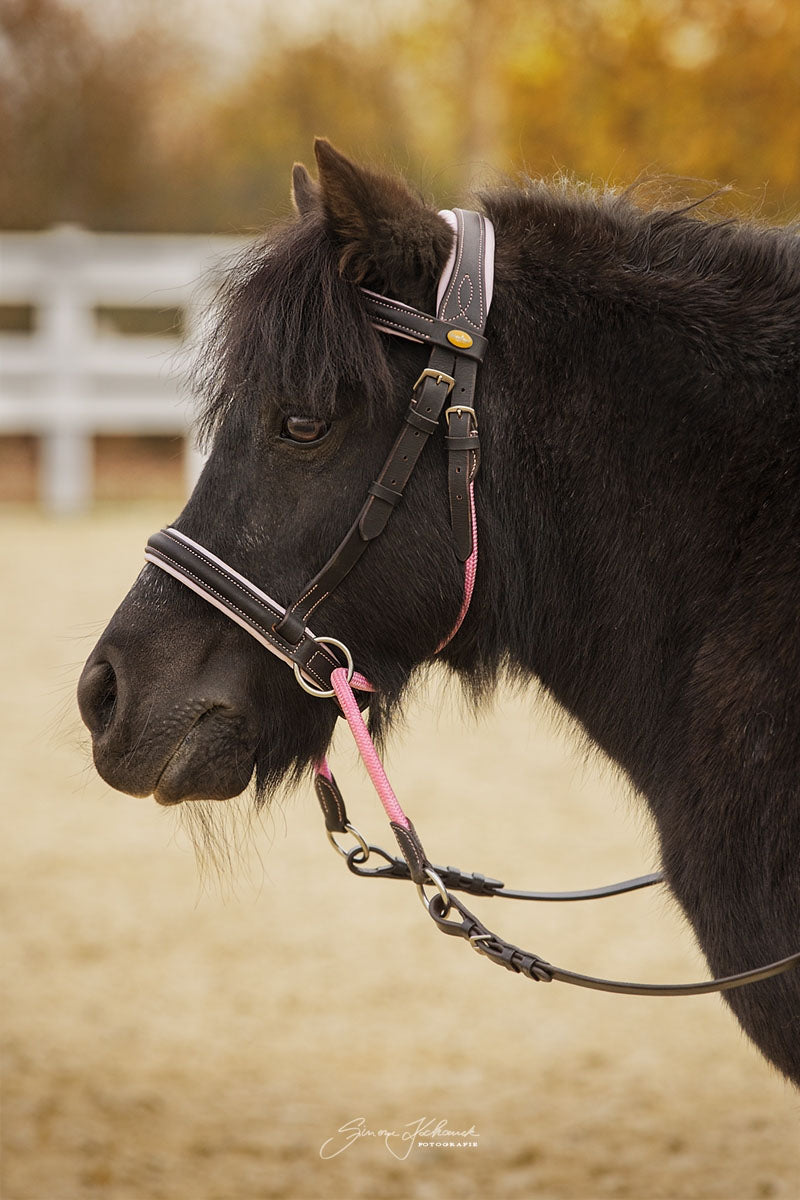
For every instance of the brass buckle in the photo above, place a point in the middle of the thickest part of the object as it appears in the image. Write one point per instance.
(460, 408)
(439, 376)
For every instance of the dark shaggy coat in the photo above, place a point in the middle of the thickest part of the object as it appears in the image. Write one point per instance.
(639, 515)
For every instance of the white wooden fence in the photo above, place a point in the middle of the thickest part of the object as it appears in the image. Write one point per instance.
(71, 378)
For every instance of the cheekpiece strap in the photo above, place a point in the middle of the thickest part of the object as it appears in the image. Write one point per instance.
(464, 299)
(446, 386)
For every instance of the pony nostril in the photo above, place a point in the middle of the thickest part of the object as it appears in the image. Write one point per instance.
(97, 696)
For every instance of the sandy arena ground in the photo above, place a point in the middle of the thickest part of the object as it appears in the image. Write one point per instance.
(172, 1039)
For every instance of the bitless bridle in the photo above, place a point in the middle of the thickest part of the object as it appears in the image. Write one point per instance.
(324, 666)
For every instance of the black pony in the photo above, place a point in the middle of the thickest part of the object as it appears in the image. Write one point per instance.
(639, 510)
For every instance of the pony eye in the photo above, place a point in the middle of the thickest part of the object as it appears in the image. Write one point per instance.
(304, 429)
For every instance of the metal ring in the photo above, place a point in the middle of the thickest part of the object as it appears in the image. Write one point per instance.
(351, 829)
(444, 895)
(320, 693)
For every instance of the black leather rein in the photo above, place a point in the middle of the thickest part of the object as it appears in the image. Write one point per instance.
(324, 666)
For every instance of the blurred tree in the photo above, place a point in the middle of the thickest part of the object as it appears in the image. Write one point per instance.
(76, 116)
(705, 88)
(127, 131)
(347, 92)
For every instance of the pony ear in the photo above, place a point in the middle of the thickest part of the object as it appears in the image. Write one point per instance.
(390, 240)
(305, 193)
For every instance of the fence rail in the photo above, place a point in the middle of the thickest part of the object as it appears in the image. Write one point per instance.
(72, 376)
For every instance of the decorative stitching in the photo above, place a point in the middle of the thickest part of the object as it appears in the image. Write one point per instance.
(297, 603)
(236, 583)
(324, 654)
(385, 302)
(456, 277)
(317, 602)
(383, 327)
(255, 624)
(252, 621)
(462, 305)
(482, 269)
(419, 335)
(410, 847)
(332, 791)
(320, 679)
(457, 267)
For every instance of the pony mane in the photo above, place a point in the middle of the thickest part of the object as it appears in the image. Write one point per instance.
(292, 332)
(680, 250)
(651, 219)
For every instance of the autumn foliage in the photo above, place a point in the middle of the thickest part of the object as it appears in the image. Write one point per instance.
(134, 131)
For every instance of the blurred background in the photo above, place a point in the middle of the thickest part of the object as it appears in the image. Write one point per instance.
(187, 116)
(179, 1033)
(132, 116)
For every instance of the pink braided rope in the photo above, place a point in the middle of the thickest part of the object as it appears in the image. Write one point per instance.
(369, 755)
(352, 713)
(360, 684)
(470, 571)
(321, 767)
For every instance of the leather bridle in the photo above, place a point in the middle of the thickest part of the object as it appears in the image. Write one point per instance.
(325, 667)
(447, 384)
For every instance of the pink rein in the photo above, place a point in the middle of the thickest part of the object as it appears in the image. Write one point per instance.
(352, 713)
(470, 571)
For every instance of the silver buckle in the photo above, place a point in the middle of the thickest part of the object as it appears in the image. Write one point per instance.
(439, 376)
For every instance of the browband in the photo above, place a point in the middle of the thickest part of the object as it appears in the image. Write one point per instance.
(390, 316)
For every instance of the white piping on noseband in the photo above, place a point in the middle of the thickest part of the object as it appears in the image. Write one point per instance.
(210, 598)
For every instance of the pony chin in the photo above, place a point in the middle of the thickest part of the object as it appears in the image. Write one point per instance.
(207, 765)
